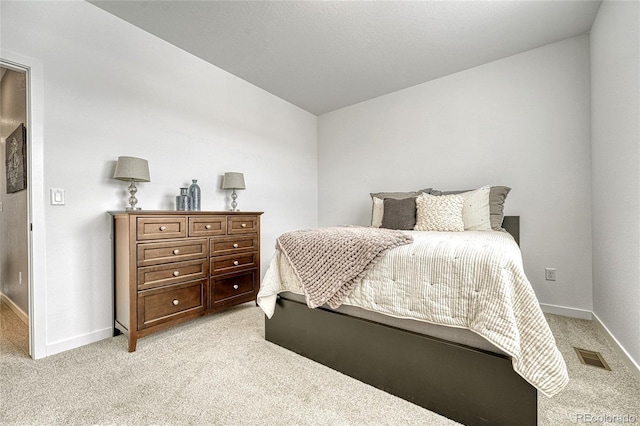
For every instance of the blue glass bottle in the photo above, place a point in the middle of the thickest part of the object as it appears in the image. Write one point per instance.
(183, 201)
(194, 193)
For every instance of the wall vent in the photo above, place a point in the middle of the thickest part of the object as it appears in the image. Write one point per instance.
(592, 358)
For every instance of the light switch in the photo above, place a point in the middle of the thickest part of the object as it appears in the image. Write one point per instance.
(57, 196)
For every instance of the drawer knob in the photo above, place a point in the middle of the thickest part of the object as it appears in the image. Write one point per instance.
(235, 245)
(176, 273)
(244, 225)
(176, 251)
(175, 302)
(207, 227)
(163, 228)
(235, 262)
(236, 286)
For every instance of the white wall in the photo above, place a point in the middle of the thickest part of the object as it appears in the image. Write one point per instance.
(615, 91)
(112, 89)
(13, 215)
(522, 121)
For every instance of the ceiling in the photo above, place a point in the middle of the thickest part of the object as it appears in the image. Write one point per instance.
(324, 55)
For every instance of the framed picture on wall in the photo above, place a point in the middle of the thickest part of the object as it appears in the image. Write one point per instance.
(16, 160)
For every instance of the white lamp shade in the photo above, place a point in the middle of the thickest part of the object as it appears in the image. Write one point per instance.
(132, 169)
(233, 180)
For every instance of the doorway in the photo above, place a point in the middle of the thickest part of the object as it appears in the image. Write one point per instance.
(14, 217)
(34, 220)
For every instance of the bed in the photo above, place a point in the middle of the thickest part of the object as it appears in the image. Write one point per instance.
(458, 367)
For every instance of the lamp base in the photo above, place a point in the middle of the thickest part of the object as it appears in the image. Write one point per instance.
(234, 204)
(132, 199)
(129, 209)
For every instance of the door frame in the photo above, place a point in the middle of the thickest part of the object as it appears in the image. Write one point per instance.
(35, 198)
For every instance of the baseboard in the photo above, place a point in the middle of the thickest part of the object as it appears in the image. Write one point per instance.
(77, 341)
(633, 366)
(566, 312)
(15, 308)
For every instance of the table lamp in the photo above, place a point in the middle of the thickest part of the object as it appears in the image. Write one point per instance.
(233, 180)
(132, 169)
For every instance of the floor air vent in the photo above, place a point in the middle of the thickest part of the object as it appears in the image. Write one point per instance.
(592, 358)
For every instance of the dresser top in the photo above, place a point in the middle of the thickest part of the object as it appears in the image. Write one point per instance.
(180, 213)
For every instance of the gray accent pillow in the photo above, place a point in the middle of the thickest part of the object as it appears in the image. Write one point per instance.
(399, 195)
(377, 207)
(497, 197)
(437, 192)
(399, 214)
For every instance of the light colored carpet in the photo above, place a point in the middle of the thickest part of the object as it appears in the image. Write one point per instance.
(591, 391)
(220, 370)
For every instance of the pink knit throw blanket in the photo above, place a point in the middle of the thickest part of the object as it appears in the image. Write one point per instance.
(330, 261)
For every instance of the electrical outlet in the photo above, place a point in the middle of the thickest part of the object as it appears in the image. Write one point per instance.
(20, 278)
(550, 274)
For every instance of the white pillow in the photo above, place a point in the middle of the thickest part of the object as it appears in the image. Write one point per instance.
(476, 213)
(439, 213)
(377, 212)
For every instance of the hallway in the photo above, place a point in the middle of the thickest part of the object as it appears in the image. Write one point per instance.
(14, 334)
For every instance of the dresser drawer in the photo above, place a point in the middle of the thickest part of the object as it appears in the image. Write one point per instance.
(207, 226)
(229, 245)
(170, 303)
(230, 286)
(223, 264)
(242, 224)
(153, 228)
(171, 273)
(174, 251)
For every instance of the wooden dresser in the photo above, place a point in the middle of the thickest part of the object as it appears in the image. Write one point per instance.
(173, 266)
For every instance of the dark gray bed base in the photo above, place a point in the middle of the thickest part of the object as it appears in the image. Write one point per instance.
(468, 385)
(465, 384)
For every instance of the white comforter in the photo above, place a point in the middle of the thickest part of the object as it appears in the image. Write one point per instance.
(472, 280)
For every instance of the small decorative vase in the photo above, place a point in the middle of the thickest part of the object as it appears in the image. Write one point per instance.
(183, 201)
(194, 193)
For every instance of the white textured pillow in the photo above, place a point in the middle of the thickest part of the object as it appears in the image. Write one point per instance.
(439, 213)
(377, 212)
(476, 213)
